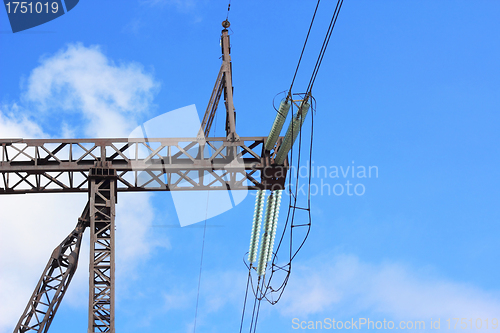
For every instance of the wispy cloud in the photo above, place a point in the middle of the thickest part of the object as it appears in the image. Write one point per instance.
(344, 284)
(345, 287)
(32, 226)
(106, 100)
(82, 82)
(15, 124)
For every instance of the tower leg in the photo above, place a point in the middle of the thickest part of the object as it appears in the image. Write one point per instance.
(54, 282)
(102, 192)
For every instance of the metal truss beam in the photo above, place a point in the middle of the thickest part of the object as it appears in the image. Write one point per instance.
(54, 282)
(227, 69)
(156, 164)
(213, 103)
(102, 249)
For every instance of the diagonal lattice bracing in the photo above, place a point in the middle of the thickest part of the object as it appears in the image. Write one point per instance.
(54, 282)
(165, 164)
(102, 186)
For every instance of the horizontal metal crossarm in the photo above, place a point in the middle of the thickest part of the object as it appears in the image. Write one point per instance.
(153, 164)
(54, 282)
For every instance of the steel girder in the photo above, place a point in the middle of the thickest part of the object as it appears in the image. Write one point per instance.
(102, 198)
(213, 103)
(54, 282)
(228, 87)
(163, 164)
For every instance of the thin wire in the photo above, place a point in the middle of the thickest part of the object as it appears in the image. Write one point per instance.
(201, 265)
(258, 307)
(309, 186)
(326, 41)
(257, 316)
(274, 98)
(266, 287)
(202, 252)
(228, 9)
(254, 303)
(245, 302)
(303, 48)
(292, 208)
(291, 211)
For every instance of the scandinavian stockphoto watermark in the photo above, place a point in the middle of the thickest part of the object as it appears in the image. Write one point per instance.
(164, 152)
(332, 180)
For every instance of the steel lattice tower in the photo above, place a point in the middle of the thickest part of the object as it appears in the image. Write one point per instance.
(105, 167)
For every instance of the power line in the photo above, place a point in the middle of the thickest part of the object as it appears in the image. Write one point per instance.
(263, 285)
(228, 9)
(201, 266)
(201, 261)
(245, 301)
(303, 49)
(326, 41)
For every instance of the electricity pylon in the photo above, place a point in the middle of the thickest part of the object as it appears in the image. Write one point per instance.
(105, 167)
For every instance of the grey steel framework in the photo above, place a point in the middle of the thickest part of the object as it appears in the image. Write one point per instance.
(54, 282)
(224, 83)
(164, 164)
(103, 167)
(102, 249)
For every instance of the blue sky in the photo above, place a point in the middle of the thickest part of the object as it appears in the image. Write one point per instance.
(411, 87)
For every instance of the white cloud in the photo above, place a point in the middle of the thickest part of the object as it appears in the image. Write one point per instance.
(216, 296)
(32, 226)
(134, 239)
(220, 292)
(134, 244)
(82, 81)
(67, 132)
(344, 284)
(14, 125)
(178, 299)
(86, 85)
